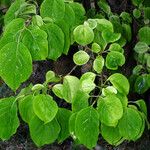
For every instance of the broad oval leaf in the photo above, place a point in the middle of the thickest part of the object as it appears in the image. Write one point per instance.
(79, 13)
(63, 116)
(114, 59)
(141, 47)
(98, 64)
(88, 76)
(26, 108)
(96, 48)
(42, 133)
(10, 15)
(103, 24)
(45, 107)
(55, 36)
(111, 134)
(70, 89)
(35, 40)
(83, 35)
(80, 101)
(54, 9)
(116, 47)
(16, 64)
(58, 90)
(116, 80)
(87, 127)
(9, 121)
(110, 37)
(110, 110)
(144, 34)
(130, 124)
(81, 57)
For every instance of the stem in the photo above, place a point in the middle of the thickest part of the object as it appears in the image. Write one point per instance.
(72, 69)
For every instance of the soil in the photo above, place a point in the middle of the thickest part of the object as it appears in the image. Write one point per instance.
(21, 140)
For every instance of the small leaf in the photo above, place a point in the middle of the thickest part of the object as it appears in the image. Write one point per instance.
(110, 110)
(141, 84)
(9, 121)
(141, 47)
(42, 133)
(37, 20)
(88, 75)
(144, 34)
(126, 17)
(70, 89)
(110, 37)
(108, 90)
(92, 23)
(130, 124)
(127, 32)
(87, 127)
(98, 64)
(14, 58)
(137, 2)
(81, 58)
(83, 35)
(114, 59)
(63, 116)
(58, 90)
(136, 13)
(37, 87)
(111, 134)
(117, 79)
(116, 47)
(103, 24)
(54, 9)
(95, 48)
(26, 108)
(45, 107)
(50, 75)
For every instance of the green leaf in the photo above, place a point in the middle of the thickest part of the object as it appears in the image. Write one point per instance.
(111, 134)
(45, 107)
(26, 108)
(37, 20)
(63, 116)
(37, 87)
(123, 98)
(95, 48)
(54, 9)
(35, 40)
(67, 37)
(141, 47)
(83, 35)
(98, 64)
(136, 13)
(114, 59)
(81, 57)
(87, 86)
(126, 17)
(116, 47)
(104, 25)
(69, 17)
(79, 13)
(108, 90)
(142, 105)
(127, 32)
(70, 89)
(144, 34)
(104, 6)
(116, 80)
(9, 121)
(137, 70)
(110, 110)
(55, 36)
(88, 76)
(58, 90)
(14, 58)
(72, 120)
(137, 2)
(42, 133)
(10, 15)
(80, 101)
(92, 23)
(130, 124)
(50, 75)
(87, 127)
(110, 37)
(141, 84)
